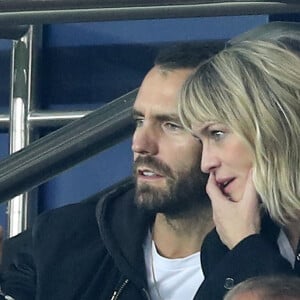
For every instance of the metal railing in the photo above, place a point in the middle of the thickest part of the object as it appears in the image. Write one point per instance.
(60, 11)
(67, 146)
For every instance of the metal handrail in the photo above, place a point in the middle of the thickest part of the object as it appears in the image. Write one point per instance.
(61, 11)
(46, 118)
(65, 147)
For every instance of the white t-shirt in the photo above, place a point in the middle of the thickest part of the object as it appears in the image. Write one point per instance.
(172, 279)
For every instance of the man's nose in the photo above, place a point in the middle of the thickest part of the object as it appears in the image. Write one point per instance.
(145, 141)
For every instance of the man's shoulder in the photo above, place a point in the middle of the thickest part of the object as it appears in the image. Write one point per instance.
(65, 227)
(83, 213)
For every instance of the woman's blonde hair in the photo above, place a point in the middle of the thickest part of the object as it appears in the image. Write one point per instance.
(254, 88)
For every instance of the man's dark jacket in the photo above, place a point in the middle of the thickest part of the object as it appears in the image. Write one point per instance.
(90, 250)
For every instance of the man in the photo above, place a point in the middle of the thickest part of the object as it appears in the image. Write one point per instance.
(141, 240)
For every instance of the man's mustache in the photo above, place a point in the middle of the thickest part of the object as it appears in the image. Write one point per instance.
(154, 164)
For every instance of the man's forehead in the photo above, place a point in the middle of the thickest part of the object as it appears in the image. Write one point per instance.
(159, 95)
(156, 104)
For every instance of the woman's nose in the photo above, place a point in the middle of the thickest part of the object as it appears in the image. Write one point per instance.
(209, 159)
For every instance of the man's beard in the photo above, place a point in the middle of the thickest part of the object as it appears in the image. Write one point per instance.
(183, 192)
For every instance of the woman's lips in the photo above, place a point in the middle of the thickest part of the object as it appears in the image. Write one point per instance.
(225, 185)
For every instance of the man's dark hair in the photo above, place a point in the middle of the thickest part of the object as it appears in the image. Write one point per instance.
(187, 54)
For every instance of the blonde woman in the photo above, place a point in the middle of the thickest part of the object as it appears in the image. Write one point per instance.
(243, 105)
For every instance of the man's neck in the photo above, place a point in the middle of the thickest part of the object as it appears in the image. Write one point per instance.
(177, 238)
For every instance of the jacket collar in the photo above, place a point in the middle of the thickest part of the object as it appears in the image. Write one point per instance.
(123, 228)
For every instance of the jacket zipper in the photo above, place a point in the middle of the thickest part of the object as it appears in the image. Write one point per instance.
(117, 293)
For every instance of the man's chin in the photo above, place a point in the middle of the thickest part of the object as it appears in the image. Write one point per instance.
(151, 198)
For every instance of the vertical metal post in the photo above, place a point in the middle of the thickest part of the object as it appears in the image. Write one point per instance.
(25, 54)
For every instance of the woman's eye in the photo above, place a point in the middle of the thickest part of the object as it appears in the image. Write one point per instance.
(216, 134)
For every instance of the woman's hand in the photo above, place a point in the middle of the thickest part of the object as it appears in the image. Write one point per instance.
(234, 220)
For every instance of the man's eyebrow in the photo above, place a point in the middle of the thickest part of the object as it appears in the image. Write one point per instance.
(136, 113)
(159, 117)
